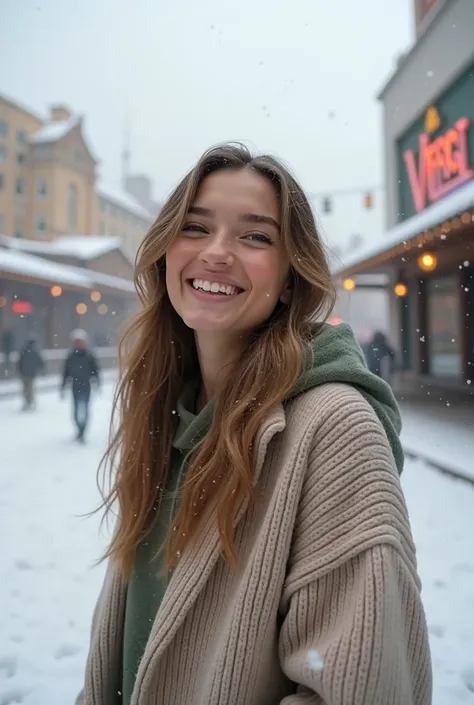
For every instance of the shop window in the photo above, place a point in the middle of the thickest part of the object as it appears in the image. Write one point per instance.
(20, 187)
(3, 153)
(72, 207)
(444, 326)
(3, 128)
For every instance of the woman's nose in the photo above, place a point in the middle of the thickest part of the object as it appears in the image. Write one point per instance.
(218, 250)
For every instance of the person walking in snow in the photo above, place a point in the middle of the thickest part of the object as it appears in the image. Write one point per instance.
(30, 364)
(81, 367)
(262, 551)
(380, 356)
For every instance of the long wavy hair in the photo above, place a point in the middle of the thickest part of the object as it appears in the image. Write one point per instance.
(157, 355)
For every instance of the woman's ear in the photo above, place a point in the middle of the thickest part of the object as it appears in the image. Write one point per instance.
(285, 296)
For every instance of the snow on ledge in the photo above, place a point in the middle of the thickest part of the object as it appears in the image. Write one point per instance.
(462, 199)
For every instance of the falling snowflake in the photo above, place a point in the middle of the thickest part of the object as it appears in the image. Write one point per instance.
(314, 660)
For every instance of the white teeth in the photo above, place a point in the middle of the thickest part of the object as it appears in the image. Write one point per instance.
(214, 287)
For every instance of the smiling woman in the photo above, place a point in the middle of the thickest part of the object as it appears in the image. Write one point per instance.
(262, 552)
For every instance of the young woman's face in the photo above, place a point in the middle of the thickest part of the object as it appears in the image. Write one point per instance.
(228, 268)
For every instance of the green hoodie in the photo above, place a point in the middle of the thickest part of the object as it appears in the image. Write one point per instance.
(337, 357)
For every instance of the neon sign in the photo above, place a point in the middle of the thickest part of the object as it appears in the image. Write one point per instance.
(443, 164)
(23, 307)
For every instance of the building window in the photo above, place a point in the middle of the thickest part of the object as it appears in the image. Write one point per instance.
(40, 224)
(2, 182)
(3, 128)
(72, 206)
(3, 153)
(41, 187)
(20, 186)
(42, 150)
(2, 224)
(20, 137)
(20, 158)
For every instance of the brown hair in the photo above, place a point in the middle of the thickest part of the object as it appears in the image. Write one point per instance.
(157, 353)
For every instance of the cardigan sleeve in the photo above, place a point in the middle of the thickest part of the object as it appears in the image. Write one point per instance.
(354, 630)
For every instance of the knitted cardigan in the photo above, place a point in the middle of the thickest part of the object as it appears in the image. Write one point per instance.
(324, 608)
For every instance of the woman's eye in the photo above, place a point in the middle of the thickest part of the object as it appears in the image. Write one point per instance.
(194, 228)
(260, 237)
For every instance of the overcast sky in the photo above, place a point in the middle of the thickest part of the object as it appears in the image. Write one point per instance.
(297, 78)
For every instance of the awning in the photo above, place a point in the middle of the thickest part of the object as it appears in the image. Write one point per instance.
(406, 234)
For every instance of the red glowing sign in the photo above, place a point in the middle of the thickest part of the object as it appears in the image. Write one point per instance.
(443, 164)
(23, 307)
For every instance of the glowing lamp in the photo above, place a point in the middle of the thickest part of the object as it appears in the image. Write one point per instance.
(349, 284)
(400, 289)
(81, 309)
(96, 296)
(427, 262)
(3, 301)
(56, 291)
(102, 309)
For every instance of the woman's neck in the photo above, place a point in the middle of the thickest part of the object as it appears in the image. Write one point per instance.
(215, 353)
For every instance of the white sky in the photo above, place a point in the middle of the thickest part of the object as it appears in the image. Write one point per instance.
(295, 78)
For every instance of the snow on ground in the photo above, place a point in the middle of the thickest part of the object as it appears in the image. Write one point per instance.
(48, 588)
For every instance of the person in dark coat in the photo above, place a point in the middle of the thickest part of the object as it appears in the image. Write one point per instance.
(30, 364)
(379, 351)
(80, 368)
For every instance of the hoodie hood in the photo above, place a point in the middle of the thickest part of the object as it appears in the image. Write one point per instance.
(338, 357)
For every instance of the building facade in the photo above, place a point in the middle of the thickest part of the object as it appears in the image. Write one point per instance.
(427, 253)
(48, 181)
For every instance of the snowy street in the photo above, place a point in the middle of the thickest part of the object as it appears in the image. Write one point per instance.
(48, 586)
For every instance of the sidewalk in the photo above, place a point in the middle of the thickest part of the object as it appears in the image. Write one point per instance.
(442, 434)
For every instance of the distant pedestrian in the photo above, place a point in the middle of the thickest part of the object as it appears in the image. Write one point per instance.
(380, 356)
(80, 367)
(30, 364)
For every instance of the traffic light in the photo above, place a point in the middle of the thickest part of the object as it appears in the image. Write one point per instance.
(368, 201)
(327, 205)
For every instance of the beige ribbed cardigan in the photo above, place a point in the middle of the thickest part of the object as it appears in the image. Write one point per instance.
(325, 607)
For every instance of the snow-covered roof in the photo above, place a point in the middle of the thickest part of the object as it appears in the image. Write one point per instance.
(121, 199)
(29, 265)
(456, 202)
(54, 131)
(37, 268)
(83, 247)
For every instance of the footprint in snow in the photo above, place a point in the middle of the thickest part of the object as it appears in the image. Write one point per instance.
(8, 664)
(16, 695)
(21, 564)
(437, 630)
(66, 650)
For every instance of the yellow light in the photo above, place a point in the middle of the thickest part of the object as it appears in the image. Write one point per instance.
(427, 262)
(349, 284)
(102, 309)
(96, 296)
(81, 309)
(3, 301)
(56, 290)
(400, 289)
(466, 218)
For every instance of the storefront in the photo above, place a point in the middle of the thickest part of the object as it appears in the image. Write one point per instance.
(428, 254)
